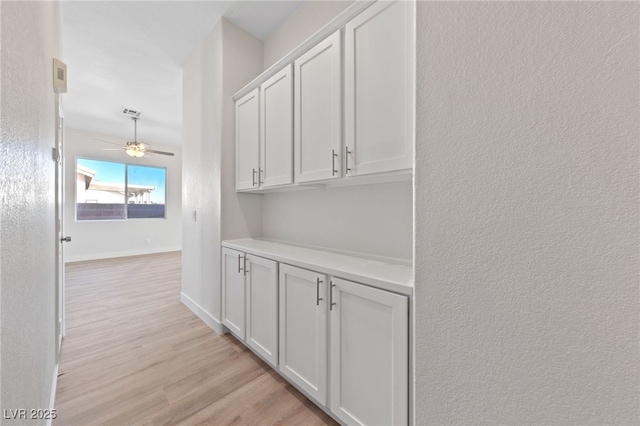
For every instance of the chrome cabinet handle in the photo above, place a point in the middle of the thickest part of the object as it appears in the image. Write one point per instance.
(245, 265)
(239, 268)
(318, 298)
(253, 177)
(333, 162)
(260, 176)
(346, 159)
(331, 302)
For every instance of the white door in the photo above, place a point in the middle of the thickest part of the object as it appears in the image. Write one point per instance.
(233, 293)
(369, 355)
(379, 88)
(61, 239)
(276, 129)
(262, 307)
(303, 330)
(318, 112)
(247, 140)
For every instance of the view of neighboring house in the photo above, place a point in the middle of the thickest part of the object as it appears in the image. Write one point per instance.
(104, 200)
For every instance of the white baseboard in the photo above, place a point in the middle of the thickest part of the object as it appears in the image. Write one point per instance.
(96, 256)
(202, 313)
(52, 397)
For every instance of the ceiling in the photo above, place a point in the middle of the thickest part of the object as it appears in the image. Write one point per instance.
(130, 54)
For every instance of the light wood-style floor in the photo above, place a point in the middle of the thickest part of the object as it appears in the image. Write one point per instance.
(134, 355)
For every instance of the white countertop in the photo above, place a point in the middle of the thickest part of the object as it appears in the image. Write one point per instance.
(386, 274)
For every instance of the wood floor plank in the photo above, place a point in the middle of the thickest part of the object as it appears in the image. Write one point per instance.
(133, 354)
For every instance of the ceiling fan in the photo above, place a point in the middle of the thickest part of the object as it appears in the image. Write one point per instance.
(135, 148)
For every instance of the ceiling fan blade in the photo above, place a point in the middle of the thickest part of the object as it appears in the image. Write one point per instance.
(111, 149)
(112, 143)
(159, 152)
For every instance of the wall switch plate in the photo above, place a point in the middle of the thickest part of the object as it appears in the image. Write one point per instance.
(148, 241)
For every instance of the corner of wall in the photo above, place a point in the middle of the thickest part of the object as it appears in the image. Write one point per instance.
(202, 136)
(242, 62)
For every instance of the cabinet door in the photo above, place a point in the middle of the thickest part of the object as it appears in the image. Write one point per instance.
(303, 330)
(317, 112)
(379, 88)
(262, 307)
(369, 355)
(247, 141)
(233, 294)
(276, 129)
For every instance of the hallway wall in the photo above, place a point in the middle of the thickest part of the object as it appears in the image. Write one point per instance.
(227, 59)
(30, 39)
(527, 213)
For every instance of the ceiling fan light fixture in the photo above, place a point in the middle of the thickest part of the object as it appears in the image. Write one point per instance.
(134, 152)
(134, 148)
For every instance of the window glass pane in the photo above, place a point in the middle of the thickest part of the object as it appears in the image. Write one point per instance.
(145, 192)
(99, 190)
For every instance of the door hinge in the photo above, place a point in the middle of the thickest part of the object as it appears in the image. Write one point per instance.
(55, 154)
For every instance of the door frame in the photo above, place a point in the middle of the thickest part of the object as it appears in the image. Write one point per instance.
(59, 220)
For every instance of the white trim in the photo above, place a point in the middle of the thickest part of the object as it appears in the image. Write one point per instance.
(333, 26)
(96, 256)
(52, 397)
(202, 313)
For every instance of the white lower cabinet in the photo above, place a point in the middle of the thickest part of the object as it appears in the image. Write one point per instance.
(262, 307)
(368, 355)
(303, 330)
(250, 301)
(233, 294)
(367, 373)
(343, 343)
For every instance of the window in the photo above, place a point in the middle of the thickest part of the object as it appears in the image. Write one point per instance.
(107, 190)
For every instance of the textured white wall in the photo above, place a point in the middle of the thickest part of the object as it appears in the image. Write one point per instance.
(527, 301)
(373, 219)
(300, 25)
(30, 38)
(228, 59)
(104, 239)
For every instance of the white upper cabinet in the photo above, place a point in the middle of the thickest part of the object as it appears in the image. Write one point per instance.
(335, 107)
(379, 88)
(247, 141)
(318, 112)
(262, 307)
(369, 355)
(276, 129)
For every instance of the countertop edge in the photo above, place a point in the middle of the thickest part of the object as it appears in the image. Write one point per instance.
(362, 277)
